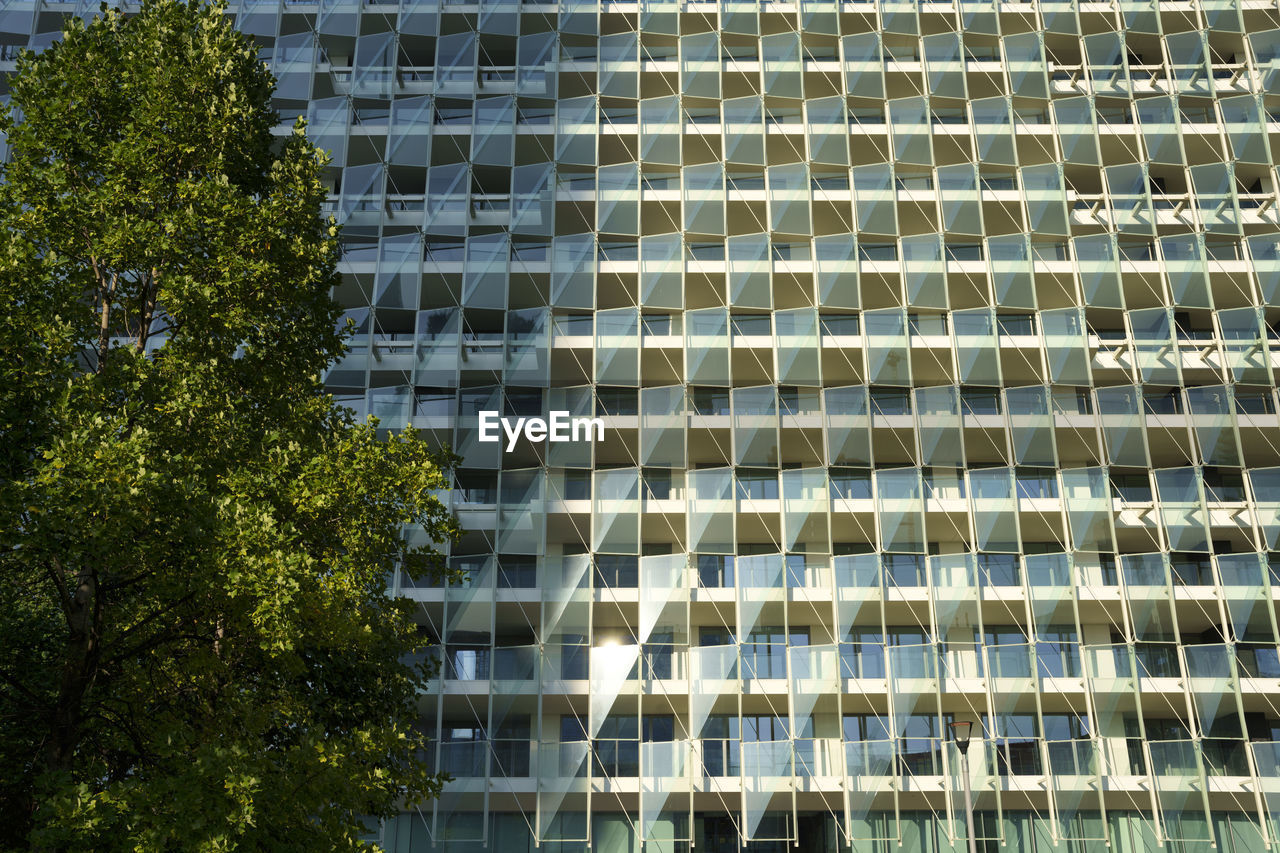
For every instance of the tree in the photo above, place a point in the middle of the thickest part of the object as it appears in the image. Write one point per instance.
(197, 650)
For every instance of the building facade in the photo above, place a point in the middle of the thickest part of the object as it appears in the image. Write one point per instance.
(932, 344)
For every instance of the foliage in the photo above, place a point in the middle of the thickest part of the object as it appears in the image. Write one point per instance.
(197, 651)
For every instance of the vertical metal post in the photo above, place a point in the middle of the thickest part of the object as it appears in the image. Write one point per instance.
(968, 798)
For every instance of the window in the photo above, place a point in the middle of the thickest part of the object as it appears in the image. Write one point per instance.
(617, 401)
(890, 401)
(1007, 653)
(1036, 482)
(862, 655)
(980, 401)
(1016, 324)
(617, 571)
(657, 484)
(764, 651)
(904, 569)
(715, 571)
(1058, 653)
(840, 324)
(1016, 744)
(999, 570)
(757, 484)
(517, 572)
(710, 401)
(577, 485)
(851, 483)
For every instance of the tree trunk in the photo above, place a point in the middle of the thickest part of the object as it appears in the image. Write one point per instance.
(83, 613)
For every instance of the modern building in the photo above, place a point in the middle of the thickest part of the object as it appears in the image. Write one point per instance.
(933, 348)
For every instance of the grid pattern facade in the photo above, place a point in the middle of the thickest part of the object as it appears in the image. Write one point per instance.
(933, 343)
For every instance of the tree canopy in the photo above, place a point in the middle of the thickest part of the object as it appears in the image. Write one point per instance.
(197, 649)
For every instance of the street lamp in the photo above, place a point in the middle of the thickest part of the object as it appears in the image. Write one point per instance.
(960, 734)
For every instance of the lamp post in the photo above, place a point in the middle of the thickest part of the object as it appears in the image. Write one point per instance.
(960, 734)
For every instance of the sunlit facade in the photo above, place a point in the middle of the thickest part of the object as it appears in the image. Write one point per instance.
(933, 346)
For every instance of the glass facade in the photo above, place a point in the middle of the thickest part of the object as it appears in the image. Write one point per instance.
(932, 342)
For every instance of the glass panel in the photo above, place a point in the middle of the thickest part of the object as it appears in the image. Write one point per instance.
(619, 66)
(446, 204)
(535, 64)
(1182, 510)
(875, 199)
(409, 134)
(521, 517)
(616, 511)
(755, 426)
(1031, 425)
(835, 266)
(576, 131)
(1243, 120)
(924, 275)
(1066, 345)
(944, 65)
(1244, 344)
(704, 198)
(399, 271)
(995, 506)
(1130, 192)
(1098, 265)
(743, 120)
(827, 130)
(1025, 62)
(780, 65)
(993, 130)
(707, 344)
(911, 126)
(796, 350)
(1159, 120)
(788, 198)
(617, 347)
(1213, 418)
(938, 425)
(662, 426)
(748, 267)
(456, 63)
(1189, 62)
(1123, 421)
(493, 131)
(960, 199)
(1088, 499)
(711, 512)
(374, 72)
(700, 65)
(573, 268)
(527, 359)
(439, 338)
(888, 356)
(976, 346)
(1077, 125)
(363, 189)
(533, 199)
(1012, 276)
(900, 509)
(618, 199)
(1215, 193)
(805, 511)
(484, 282)
(863, 64)
(661, 125)
(1045, 195)
(662, 271)
(1156, 351)
(848, 425)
